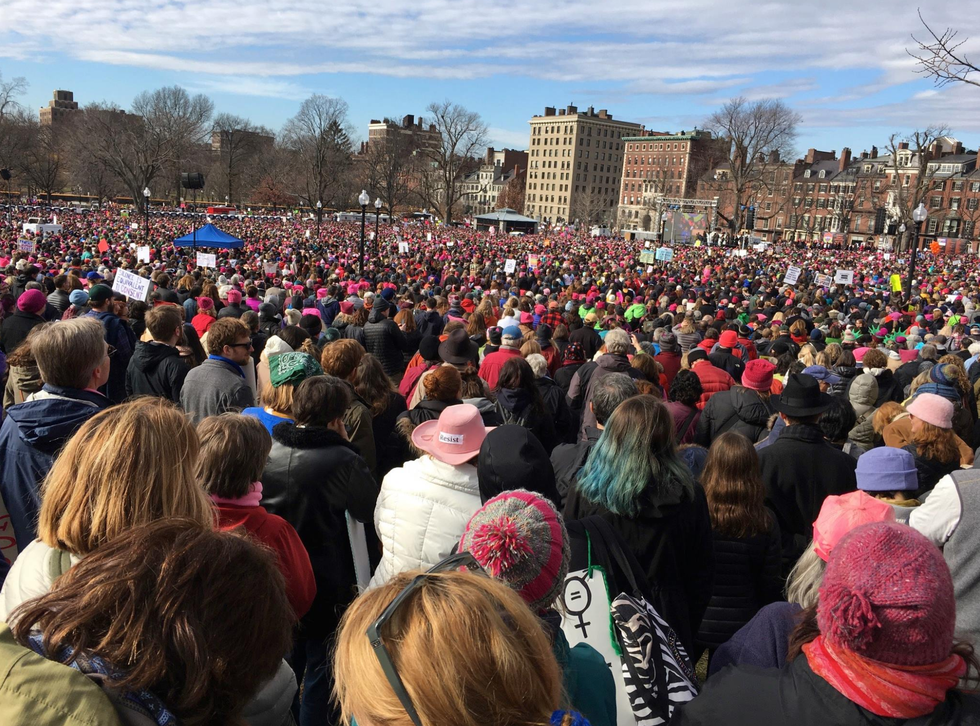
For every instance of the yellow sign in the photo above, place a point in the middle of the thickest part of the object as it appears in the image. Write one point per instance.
(896, 282)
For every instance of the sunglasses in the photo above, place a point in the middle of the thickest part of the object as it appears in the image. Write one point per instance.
(110, 351)
(453, 562)
(240, 345)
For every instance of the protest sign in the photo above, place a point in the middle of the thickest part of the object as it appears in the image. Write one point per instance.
(269, 268)
(134, 226)
(403, 248)
(896, 282)
(823, 280)
(143, 254)
(648, 256)
(532, 261)
(131, 285)
(844, 277)
(206, 259)
(792, 275)
(25, 245)
(428, 236)
(510, 266)
(665, 254)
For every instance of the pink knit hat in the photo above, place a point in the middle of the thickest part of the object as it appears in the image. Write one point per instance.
(840, 514)
(455, 437)
(234, 297)
(32, 301)
(205, 303)
(932, 409)
(887, 595)
(757, 375)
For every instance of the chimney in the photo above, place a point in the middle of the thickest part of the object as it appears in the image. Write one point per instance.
(958, 147)
(874, 152)
(865, 155)
(774, 156)
(903, 145)
(810, 154)
(603, 113)
(561, 112)
(591, 111)
(845, 159)
(549, 110)
(375, 121)
(571, 110)
(408, 121)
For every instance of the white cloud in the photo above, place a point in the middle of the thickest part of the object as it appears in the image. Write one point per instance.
(248, 86)
(508, 139)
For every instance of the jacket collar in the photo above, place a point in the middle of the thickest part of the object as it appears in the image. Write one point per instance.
(96, 399)
(289, 434)
(228, 362)
(809, 433)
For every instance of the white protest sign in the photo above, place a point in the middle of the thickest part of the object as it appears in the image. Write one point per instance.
(510, 266)
(131, 285)
(844, 277)
(206, 259)
(493, 231)
(134, 226)
(269, 268)
(451, 243)
(25, 245)
(403, 248)
(143, 254)
(792, 275)
(649, 268)
(887, 255)
(428, 236)
(823, 280)
(307, 234)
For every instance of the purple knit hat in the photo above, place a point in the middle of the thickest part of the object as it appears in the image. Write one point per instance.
(519, 537)
(887, 595)
(32, 301)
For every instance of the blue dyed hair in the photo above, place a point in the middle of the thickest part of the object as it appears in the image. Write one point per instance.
(636, 450)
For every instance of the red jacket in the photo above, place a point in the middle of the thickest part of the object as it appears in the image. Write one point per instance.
(750, 347)
(490, 368)
(707, 344)
(713, 380)
(671, 363)
(279, 535)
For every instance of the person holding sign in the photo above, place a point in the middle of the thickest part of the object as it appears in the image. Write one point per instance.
(119, 336)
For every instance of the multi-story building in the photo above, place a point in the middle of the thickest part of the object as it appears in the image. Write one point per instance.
(414, 134)
(575, 165)
(660, 164)
(223, 141)
(58, 109)
(482, 188)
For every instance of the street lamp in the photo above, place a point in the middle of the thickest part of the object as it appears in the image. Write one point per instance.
(918, 216)
(319, 212)
(363, 199)
(377, 219)
(146, 215)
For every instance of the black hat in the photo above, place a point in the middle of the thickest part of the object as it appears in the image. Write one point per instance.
(696, 354)
(458, 349)
(429, 347)
(512, 456)
(801, 397)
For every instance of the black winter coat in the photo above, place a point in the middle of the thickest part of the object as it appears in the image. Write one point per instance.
(889, 389)
(671, 538)
(14, 329)
(156, 370)
(312, 478)
(796, 696)
(568, 460)
(535, 417)
(738, 409)
(386, 342)
(799, 470)
(930, 471)
(746, 579)
(732, 365)
(561, 414)
(847, 374)
(390, 446)
(563, 376)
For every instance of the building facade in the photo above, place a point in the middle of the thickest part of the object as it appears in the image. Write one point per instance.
(415, 135)
(482, 188)
(575, 165)
(59, 108)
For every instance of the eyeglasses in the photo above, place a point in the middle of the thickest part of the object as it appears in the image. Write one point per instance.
(453, 562)
(240, 345)
(110, 351)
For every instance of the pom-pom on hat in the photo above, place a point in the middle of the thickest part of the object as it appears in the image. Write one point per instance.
(887, 595)
(519, 537)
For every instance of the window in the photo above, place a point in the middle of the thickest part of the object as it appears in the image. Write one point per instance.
(957, 186)
(931, 227)
(823, 188)
(975, 186)
(954, 203)
(938, 184)
(972, 203)
(877, 185)
(968, 226)
(806, 174)
(822, 173)
(935, 202)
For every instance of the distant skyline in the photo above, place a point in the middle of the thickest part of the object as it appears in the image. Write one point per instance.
(668, 64)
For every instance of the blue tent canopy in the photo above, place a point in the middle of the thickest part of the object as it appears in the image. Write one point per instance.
(209, 236)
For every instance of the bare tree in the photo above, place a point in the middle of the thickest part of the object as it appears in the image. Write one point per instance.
(319, 136)
(238, 142)
(760, 133)
(275, 171)
(43, 162)
(390, 164)
(12, 136)
(464, 138)
(591, 207)
(513, 194)
(910, 177)
(941, 57)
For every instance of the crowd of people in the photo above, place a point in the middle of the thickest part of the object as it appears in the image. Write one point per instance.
(283, 489)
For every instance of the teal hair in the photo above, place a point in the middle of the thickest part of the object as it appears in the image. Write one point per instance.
(636, 450)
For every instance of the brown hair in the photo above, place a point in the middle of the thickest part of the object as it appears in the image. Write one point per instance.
(476, 325)
(126, 466)
(467, 648)
(932, 442)
(373, 384)
(874, 358)
(225, 331)
(530, 348)
(198, 617)
(67, 353)
(442, 384)
(320, 400)
(163, 320)
(650, 368)
(341, 358)
(798, 328)
(885, 414)
(405, 317)
(234, 452)
(279, 399)
(733, 486)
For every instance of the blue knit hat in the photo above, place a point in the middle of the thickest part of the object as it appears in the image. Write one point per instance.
(886, 469)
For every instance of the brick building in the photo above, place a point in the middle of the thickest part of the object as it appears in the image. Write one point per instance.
(414, 133)
(575, 164)
(59, 108)
(482, 187)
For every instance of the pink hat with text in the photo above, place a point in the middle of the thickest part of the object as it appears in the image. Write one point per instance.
(455, 437)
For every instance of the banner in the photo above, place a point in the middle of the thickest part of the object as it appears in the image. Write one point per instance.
(131, 285)
(844, 277)
(143, 254)
(665, 254)
(206, 259)
(648, 256)
(792, 275)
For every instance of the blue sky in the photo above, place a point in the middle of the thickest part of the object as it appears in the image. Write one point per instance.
(666, 64)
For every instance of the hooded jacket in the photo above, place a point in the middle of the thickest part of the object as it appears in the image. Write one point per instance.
(429, 322)
(568, 460)
(863, 395)
(513, 458)
(605, 365)
(384, 340)
(32, 434)
(738, 409)
(713, 380)
(421, 513)
(156, 370)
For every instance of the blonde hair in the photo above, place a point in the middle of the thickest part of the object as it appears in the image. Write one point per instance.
(467, 648)
(803, 583)
(808, 354)
(279, 399)
(126, 466)
(68, 353)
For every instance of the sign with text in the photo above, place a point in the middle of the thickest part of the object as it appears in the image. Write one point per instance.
(844, 277)
(206, 259)
(131, 285)
(648, 256)
(665, 254)
(403, 248)
(823, 280)
(792, 275)
(143, 254)
(510, 266)
(533, 261)
(25, 245)
(269, 268)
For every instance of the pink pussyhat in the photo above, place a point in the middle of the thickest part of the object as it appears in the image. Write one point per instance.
(455, 437)
(840, 514)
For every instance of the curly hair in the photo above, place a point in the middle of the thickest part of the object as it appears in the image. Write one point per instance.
(685, 388)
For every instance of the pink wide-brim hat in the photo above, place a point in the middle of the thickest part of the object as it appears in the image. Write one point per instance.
(455, 437)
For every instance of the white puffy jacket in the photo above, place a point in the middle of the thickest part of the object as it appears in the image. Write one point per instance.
(30, 576)
(421, 512)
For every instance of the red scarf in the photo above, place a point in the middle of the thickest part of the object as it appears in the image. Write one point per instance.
(886, 690)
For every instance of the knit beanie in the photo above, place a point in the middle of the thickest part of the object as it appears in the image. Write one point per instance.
(78, 298)
(887, 595)
(757, 375)
(932, 409)
(32, 301)
(519, 537)
(205, 303)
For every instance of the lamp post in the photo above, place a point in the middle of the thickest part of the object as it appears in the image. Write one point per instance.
(377, 220)
(918, 216)
(663, 227)
(319, 212)
(146, 215)
(363, 199)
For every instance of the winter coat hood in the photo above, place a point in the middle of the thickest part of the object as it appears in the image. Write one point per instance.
(750, 407)
(52, 415)
(148, 356)
(513, 458)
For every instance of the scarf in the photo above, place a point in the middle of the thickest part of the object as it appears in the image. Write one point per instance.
(887, 690)
(252, 499)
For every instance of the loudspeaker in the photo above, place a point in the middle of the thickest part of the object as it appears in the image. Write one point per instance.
(192, 180)
(5, 174)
